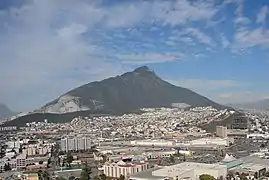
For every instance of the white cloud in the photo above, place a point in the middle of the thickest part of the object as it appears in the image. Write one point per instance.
(147, 58)
(224, 41)
(200, 36)
(261, 17)
(248, 38)
(182, 11)
(242, 21)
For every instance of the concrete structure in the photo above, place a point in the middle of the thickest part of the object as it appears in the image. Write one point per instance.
(124, 168)
(13, 144)
(155, 142)
(221, 131)
(186, 170)
(21, 161)
(76, 143)
(212, 141)
(255, 170)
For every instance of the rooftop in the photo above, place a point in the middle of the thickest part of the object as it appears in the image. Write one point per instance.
(147, 175)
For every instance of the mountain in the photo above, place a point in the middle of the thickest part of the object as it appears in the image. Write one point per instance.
(131, 91)
(5, 112)
(258, 105)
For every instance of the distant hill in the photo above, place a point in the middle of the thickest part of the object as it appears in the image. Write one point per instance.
(258, 105)
(5, 112)
(141, 88)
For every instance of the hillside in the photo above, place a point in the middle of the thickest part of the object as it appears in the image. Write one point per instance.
(132, 90)
(5, 112)
(141, 88)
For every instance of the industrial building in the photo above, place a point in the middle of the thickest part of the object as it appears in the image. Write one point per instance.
(186, 170)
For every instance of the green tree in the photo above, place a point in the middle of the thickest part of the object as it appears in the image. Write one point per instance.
(102, 176)
(7, 167)
(71, 177)
(86, 173)
(206, 177)
(69, 159)
(122, 177)
(172, 159)
(96, 178)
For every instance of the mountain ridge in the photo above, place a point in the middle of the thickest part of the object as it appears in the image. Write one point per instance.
(5, 112)
(131, 91)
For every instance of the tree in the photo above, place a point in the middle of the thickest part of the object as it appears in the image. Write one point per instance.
(96, 178)
(86, 173)
(256, 175)
(172, 159)
(71, 177)
(206, 177)
(102, 176)
(40, 162)
(122, 177)
(7, 167)
(69, 159)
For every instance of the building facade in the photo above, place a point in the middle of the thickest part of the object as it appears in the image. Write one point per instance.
(115, 170)
(221, 131)
(75, 143)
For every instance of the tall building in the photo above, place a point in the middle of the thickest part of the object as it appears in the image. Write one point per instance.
(75, 143)
(221, 131)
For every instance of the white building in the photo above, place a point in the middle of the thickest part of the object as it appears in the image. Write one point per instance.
(75, 143)
(211, 141)
(186, 170)
(13, 144)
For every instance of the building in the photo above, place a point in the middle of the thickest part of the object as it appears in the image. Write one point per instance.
(212, 142)
(240, 123)
(33, 176)
(126, 169)
(21, 161)
(75, 143)
(186, 170)
(155, 142)
(13, 144)
(221, 131)
(250, 169)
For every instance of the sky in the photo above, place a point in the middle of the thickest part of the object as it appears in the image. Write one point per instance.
(218, 48)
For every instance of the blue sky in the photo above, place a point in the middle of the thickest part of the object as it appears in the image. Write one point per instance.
(218, 48)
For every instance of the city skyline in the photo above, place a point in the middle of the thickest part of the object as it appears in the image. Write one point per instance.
(216, 48)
